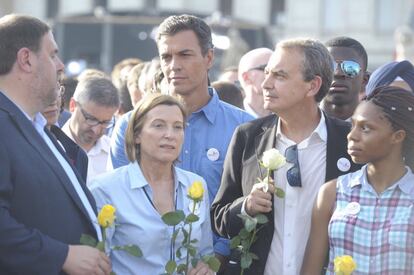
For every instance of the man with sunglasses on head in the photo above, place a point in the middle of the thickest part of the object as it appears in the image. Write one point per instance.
(350, 77)
(251, 76)
(93, 106)
(297, 77)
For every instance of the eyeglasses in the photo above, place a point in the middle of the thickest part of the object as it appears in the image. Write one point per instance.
(93, 121)
(350, 68)
(293, 174)
(258, 68)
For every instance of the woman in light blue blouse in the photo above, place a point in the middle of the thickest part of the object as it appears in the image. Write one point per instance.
(369, 214)
(149, 187)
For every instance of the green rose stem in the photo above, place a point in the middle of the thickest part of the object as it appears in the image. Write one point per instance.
(187, 260)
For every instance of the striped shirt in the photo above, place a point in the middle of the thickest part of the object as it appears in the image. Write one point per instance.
(377, 230)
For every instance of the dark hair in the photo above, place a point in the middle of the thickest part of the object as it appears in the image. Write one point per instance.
(228, 92)
(16, 32)
(317, 61)
(137, 120)
(178, 23)
(398, 107)
(99, 90)
(348, 42)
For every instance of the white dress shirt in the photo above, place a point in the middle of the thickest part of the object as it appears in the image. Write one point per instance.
(292, 214)
(97, 155)
(138, 222)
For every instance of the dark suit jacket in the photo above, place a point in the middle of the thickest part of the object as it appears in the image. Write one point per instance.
(40, 211)
(76, 155)
(241, 170)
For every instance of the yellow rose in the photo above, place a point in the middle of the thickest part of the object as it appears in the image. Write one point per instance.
(106, 216)
(344, 265)
(272, 159)
(196, 191)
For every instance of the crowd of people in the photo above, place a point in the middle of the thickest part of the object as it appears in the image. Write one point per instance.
(139, 138)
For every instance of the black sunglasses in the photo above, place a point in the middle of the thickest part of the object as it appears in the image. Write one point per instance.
(293, 174)
(258, 68)
(349, 68)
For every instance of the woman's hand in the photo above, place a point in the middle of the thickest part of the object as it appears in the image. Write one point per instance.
(201, 269)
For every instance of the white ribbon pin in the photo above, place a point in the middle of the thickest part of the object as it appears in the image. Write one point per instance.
(213, 154)
(343, 164)
(352, 208)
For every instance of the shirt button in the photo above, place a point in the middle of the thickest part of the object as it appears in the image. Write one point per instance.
(289, 234)
(288, 265)
(188, 124)
(186, 151)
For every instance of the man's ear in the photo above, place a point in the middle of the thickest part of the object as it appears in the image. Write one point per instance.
(314, 86)
(72, 105)
(210, 58)
(23, 59)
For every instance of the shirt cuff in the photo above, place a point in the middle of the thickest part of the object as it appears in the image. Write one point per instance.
(221, 245)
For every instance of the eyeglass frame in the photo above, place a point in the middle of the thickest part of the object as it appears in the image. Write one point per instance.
(341, 63)
(293, 180)
(258, 68)
(93, 121)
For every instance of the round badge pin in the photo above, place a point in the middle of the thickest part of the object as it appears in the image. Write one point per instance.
(213, 154)
(353, 208)
(343, 164)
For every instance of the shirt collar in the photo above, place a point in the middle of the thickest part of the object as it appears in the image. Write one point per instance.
(320, 132)
(404, 183)
(210, 109)
(137, 179)
(102, 144)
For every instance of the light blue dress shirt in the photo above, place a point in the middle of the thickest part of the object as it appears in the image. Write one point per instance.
(207, 135)
(138, 222)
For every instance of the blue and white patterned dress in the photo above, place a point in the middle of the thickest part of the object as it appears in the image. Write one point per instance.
(377, 230)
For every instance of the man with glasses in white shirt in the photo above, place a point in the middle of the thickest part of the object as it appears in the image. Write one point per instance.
(93, 106)
(297, 77)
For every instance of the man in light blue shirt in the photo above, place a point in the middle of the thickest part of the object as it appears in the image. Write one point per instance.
(186, 54)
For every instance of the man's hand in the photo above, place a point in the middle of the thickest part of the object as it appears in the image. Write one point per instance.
(86, 260)
(201, 269)
(259, 201)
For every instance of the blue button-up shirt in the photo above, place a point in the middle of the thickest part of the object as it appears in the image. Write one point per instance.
(207, 135)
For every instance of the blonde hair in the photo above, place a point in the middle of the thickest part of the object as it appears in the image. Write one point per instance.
(138, 117)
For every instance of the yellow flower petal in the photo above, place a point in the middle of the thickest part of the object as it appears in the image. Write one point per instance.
(106, 216)
(196, 191)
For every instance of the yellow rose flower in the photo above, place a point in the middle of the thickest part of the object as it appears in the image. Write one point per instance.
(196, 191)
(272, 159)
(344, 265)
(106, 216)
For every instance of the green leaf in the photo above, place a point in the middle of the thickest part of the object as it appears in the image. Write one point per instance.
(254, 256)
(181, 268)
(173, 218)
(244, 233)
(170, 267)
(112, 273)
(250, 224)
(101, 246)
(245, 261)
(212, 262)
(234, 242)
(261, 219)
(178, 253)
(88, 240)
(191, 218)
(191, 250)
(194, 262)
(132, 249)
(279, 193)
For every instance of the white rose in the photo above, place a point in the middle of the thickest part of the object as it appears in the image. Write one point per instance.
(272, 159)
